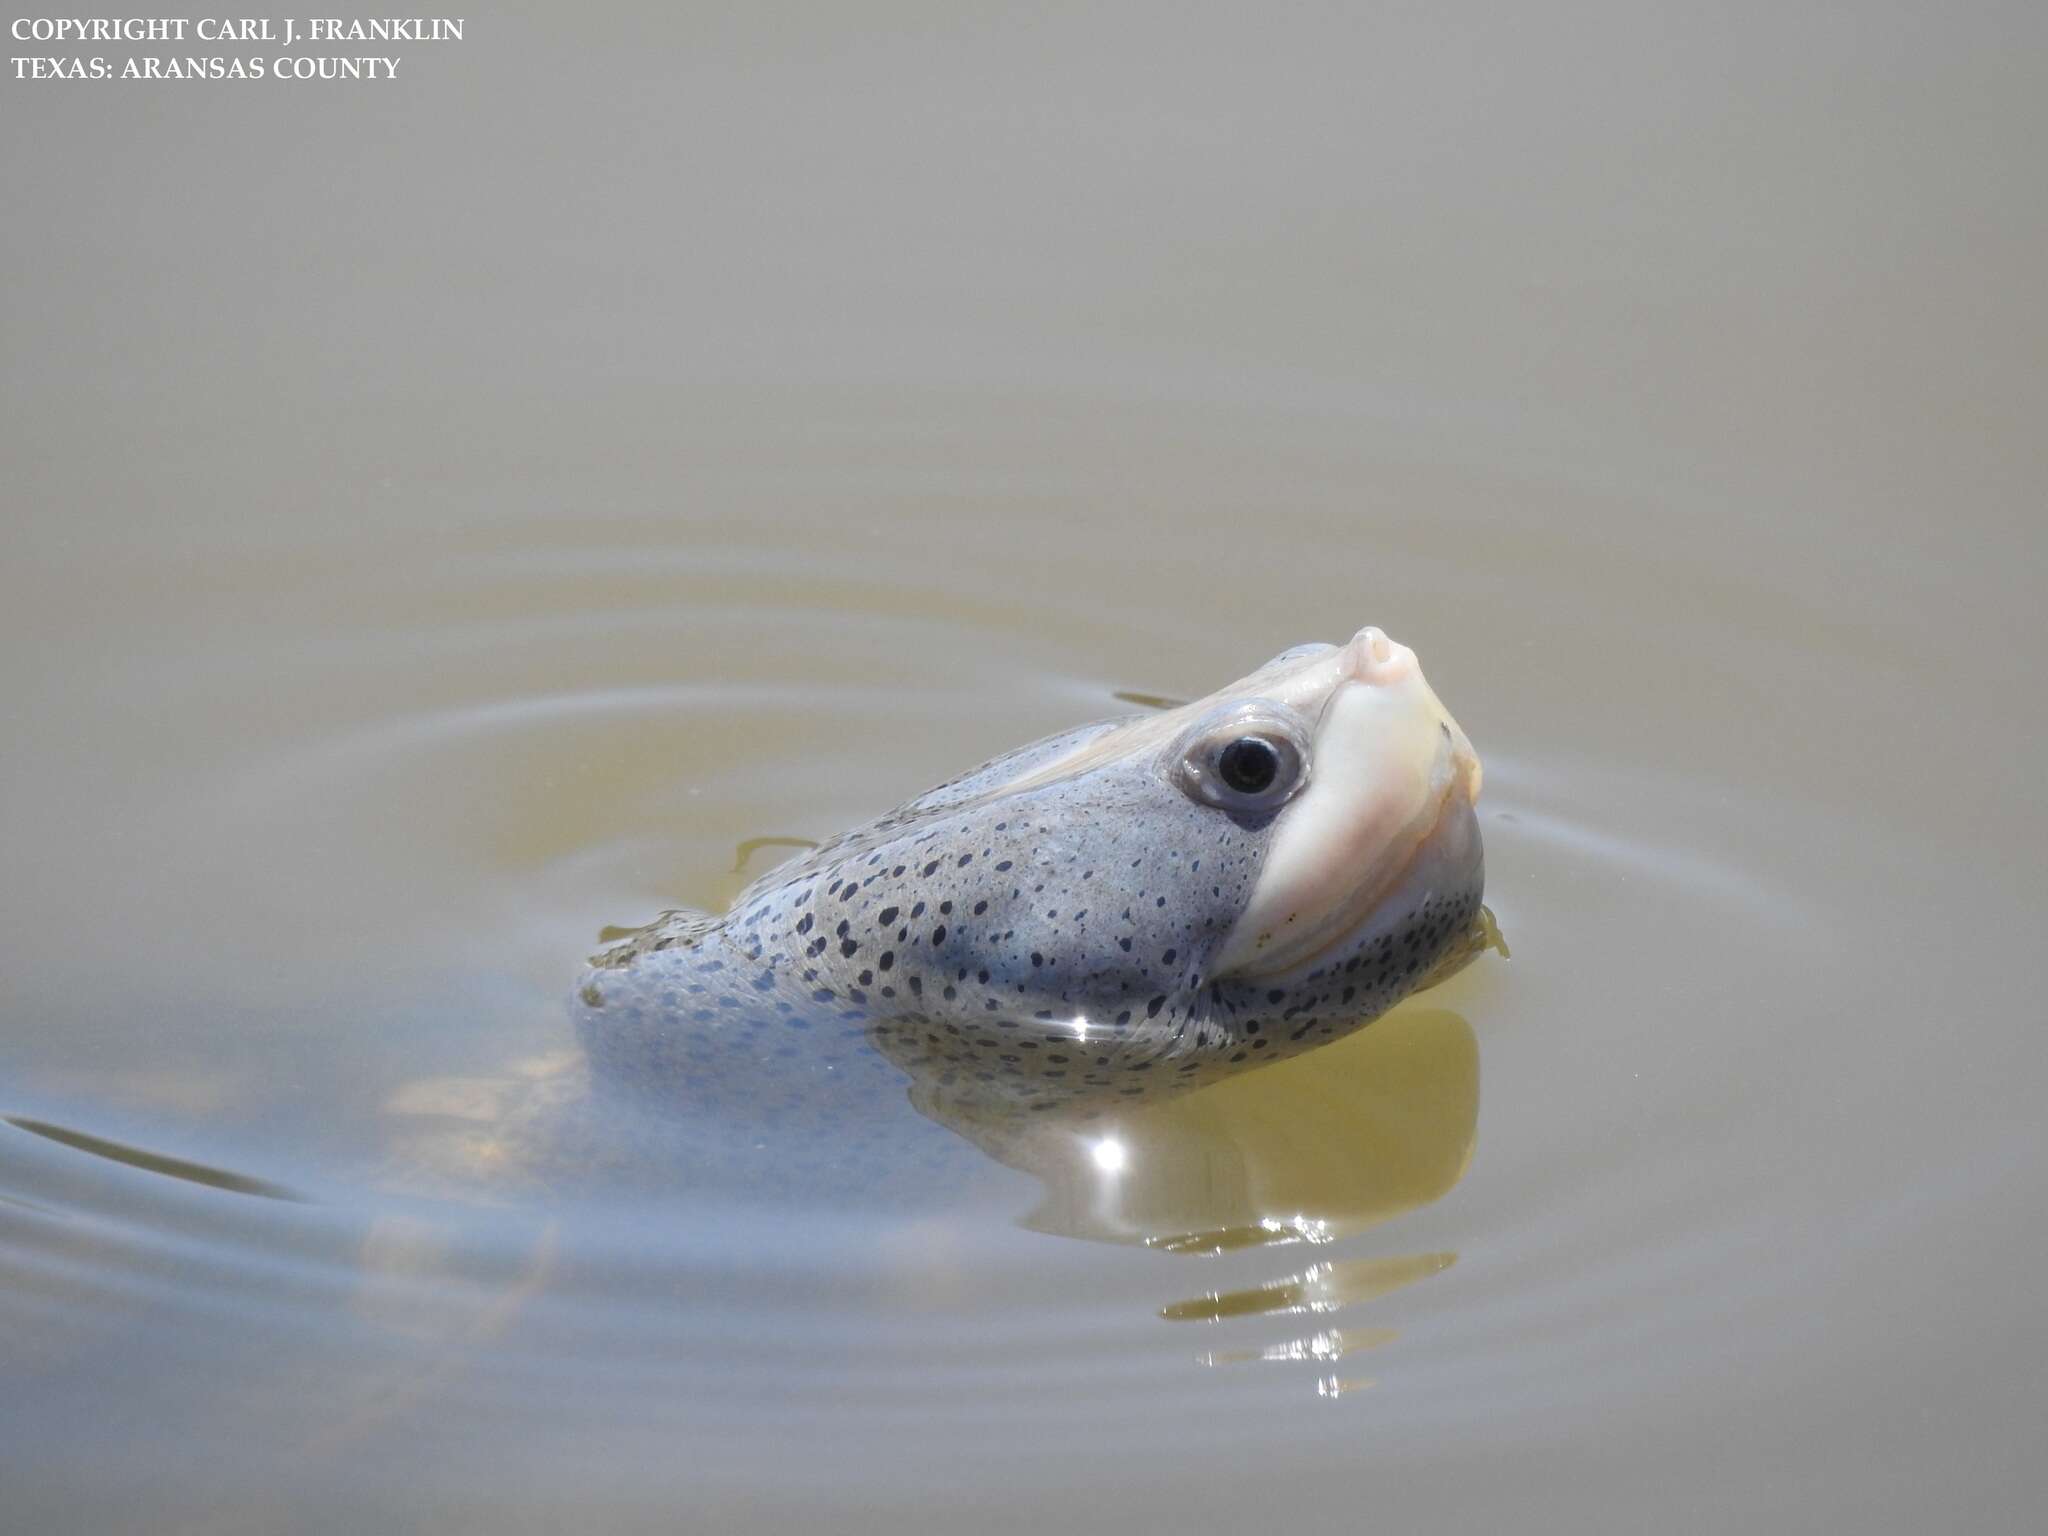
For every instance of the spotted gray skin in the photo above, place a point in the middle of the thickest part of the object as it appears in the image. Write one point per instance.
(1072, 926)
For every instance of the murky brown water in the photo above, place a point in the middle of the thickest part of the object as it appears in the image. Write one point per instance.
(444, 520)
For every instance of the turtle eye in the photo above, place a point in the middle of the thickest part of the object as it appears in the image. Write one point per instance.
(1249, 758)
(1249, 765)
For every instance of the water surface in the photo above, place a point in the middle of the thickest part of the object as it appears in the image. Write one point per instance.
(439, 526)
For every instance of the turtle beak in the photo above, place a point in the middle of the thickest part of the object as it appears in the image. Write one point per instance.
(1394, 782)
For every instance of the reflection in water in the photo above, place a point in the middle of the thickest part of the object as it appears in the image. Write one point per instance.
(1328, 1344)
(1311, 1150)
(1319, 1288)
(152, 1162)
(1307, 1150)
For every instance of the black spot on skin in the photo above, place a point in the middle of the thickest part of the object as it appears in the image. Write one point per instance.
(931, 868)
(1152, 1008)
(886, 916)
(939, 936)
(1003, 867)
(848, 948)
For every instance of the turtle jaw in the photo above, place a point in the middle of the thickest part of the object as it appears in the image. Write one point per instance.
(1392, 786)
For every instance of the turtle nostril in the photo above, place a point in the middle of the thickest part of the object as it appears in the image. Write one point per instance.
(1376, 659)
